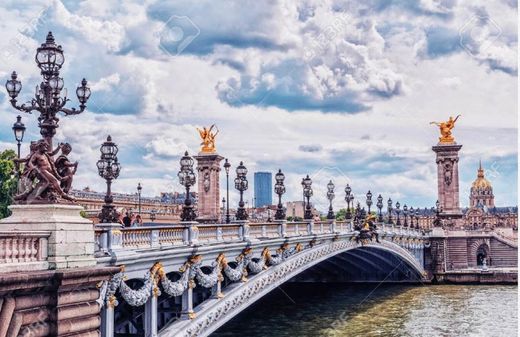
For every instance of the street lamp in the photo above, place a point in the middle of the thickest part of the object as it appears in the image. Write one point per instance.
(417, 218)
(47, 100)
(330, 196)
(223, 208)
(369, 200)
(108, 168)
(19, 131)
(279, 189)
(227, 165)
(411, 212)
(389, 210)
(187, 179)
(398, 212)
(380, 207)
(307, 193)
(348, 198)
(241, 185)
(139, 189)
(405, 213)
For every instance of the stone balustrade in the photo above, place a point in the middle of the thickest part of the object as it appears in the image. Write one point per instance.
(113, 237)
(23, 251)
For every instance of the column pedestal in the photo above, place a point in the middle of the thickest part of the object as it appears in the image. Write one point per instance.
(208, 205)
(448, 179)
(71, 242)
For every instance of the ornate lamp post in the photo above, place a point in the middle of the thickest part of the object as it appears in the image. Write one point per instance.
(330, 196)
(227, 165)
(307, 193)
(47, 100)
(389, 210)
(241, 185)
(187, 179)
(380, 207)
(369, 200)
(348, 198)
(417, 218)
(405, 214)
(411, 212)
(223, 209)
(279, 189)
(139, 189)
(108, 168)
(19, 131)
(398, 212)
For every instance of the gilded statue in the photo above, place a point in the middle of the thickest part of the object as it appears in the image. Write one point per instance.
(445, 129)
(208, 139)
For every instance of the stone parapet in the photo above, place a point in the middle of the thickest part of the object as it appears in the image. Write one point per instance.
(70, 243)
(52, 302)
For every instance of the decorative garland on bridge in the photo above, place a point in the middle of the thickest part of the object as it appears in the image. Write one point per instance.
(192, 273)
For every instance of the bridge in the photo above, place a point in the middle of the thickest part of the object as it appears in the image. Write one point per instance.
(189, 279)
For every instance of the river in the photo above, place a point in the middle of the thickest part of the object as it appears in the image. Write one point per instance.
(340, 310)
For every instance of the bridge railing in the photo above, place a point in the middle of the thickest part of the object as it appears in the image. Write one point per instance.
(112, 237)
(20, 250)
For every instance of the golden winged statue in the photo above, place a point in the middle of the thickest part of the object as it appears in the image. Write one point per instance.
(445, 130)
(207, 136)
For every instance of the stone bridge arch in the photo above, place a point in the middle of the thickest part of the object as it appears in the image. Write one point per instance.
(214, 313)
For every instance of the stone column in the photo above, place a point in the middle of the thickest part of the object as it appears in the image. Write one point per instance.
(208, 168)
(150, 314)
(448, 179)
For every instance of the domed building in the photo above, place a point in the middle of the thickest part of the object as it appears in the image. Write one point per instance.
(481, 193)
(482, 212)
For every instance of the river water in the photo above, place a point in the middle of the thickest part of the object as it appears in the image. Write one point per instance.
(339, 310)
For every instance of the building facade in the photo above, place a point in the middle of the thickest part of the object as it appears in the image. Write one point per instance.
(263, 189)
(165, 208)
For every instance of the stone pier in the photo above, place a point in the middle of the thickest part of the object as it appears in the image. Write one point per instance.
(208, 167)
(48, 274)
(448, 179)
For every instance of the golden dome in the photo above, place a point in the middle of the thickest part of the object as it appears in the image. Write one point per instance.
(481, 182)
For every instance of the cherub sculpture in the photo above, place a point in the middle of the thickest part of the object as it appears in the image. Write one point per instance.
(40, 181)
(445, 130)
(208, 139)
(65, 168)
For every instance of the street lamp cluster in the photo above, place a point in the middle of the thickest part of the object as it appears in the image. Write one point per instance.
(279, 189)
(187, 179)
(108, 168)
(241, 185)
(307, 194)
(48, 100)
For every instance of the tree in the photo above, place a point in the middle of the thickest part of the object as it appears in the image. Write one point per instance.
(7, 181)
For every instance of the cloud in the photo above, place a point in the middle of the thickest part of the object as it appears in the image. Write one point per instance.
(297, 85)
(310, 148)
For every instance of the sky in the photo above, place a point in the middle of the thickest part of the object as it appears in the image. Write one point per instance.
(338, 90)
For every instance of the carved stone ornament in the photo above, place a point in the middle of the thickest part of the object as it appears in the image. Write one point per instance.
(448, 172)
(206, 181)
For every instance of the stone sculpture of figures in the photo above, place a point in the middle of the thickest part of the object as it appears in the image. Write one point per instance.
(368, 231)
(208, 139)
(65, 168)
(445, 130)
(40, 181)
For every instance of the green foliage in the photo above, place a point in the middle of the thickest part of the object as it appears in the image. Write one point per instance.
(83, 213)
(7, 181)
(341, 214)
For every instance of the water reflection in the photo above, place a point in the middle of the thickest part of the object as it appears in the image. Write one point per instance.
(338, 310)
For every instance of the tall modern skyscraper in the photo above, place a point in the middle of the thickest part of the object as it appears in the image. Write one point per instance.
(263, 189)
